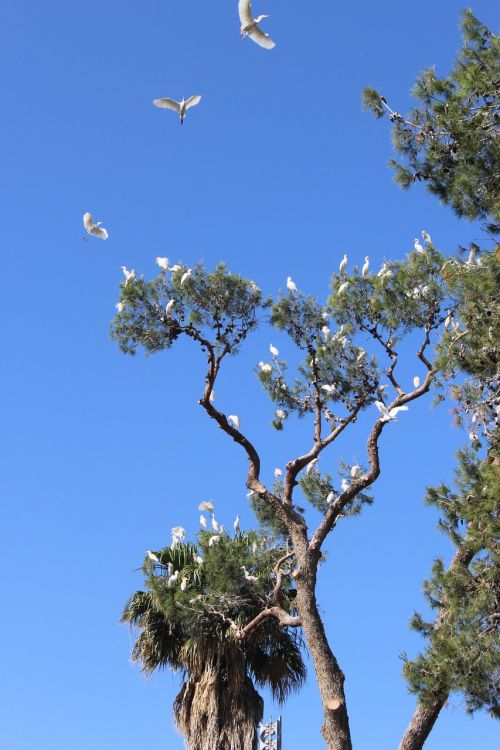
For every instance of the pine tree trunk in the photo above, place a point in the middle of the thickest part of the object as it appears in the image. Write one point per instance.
(330, 677)
(421, 725)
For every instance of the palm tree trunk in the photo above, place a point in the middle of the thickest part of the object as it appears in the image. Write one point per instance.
(421, 725)
(330, 677)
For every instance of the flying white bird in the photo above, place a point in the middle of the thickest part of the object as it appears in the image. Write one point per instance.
(278, 473)
(247, 575)
(366, 266)
(342, 287)
(180, 107)
(264, 367)
(291, 285)
(215, 525)
(213, 540)
(250, 26)
(274, 351)
(343, 263)
(119, 306)
(206, 505)
(203, 521)
(417, 245)
(416, 381)
(234, 419)
(163, 263)
(330, 497)
(94, 229)
(129, 275)
(355, 470)
(326, 333)
(152, 556)
(236, 524)
(184, 583)
(186, 276)
(386, 414)
(427, 237)
(310, 465)
(330, 389)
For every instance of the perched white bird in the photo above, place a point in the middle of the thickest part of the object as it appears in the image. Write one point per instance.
(170, 568)
(175, 268)
(206, 505)
(472, 255)
(180, 107)
(185, 276)
(215, 525)
(213, 540)
(236, 524)
(234, 419)
(342, 287)
(184, 584)
(203, 521)
(211, 398)
(129, 275)
(265, 367)
(311, 464)
(427, 237)
(326, 333)
(291, 285)
(386, 414)
(278, 473)
(280, 414)
(250, 26)
(416, 381)
(163, 263)
(247, 575)
(344, 485)
(355, 470)
(361, 355)
(179, 532)
(330, 497)
(274, 351)
(343, 263)
(254, 547)
(417, 245)
(330, 389)
(172, 580)
(152, 556)
(198, 559)
(366, 266)
(94, 229)
(169, 307)
(119, 306)
(448, 320)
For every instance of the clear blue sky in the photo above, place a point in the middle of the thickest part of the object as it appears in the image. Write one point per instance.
(279, 172)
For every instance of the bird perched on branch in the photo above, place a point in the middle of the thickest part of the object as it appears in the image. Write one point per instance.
(250, 26)
(180, 107)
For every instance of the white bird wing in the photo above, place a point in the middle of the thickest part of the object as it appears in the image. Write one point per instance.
(245, 12)
(261, 38)
(193, 101)
(167, 104)
(87, 221)
(96, 231)
(397, 409)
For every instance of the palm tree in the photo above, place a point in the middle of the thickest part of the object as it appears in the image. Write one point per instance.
(189, 625)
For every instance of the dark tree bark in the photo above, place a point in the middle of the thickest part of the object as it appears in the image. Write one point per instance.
(421, 725)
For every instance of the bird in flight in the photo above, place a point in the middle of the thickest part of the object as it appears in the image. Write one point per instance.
(250, 26)
(386, 414)
(95, 230)
(180, 107)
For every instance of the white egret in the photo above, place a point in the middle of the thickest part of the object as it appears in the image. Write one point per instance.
(330, 497)
(172, 580)
(184, 583)
(417, 245)
(326, 333)
(265, 367)
(274, 351)
(213, 540)
(387, 414)
(366, 267)
(343, 263)
(278, 473)
(175, 268)
(247, 575)
(291, 285)
(234, 419)
(427, 237)
(185, 276)
(199, 559)
(254, 547)
(169, 307)
(448, 320)
(203, 521)
(170, 568)
(344, 485)
(236, 524)
(330, 389)
(342, 287)
(250, 26)
(152, 556)
(416, 381)
(180, 107)
(179, 532)
(311, 464)
(94, 229)
(129, 275)
(206, 505)
(472, 255)
(215, 525)
(119, 306)
(355, 470)
(211, 398)
(163, 263)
